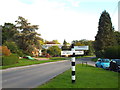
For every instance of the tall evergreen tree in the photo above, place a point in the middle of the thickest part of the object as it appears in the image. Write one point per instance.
(105, 35)
(64, 43)
(28, 38)
(9, 30)
(65, 47)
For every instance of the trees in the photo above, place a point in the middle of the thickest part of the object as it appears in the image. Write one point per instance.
(105, 35)
(13, 47)
(84, 42)
(9, 31)
(79, 42)
(112, 52)
(117, 37)
(54, 51)
(28, 38)
(64, 43)
(52, 42)
(65, 46)
(56, 41)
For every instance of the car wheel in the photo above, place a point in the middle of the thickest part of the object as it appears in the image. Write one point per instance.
(96, 65)
(101, 66)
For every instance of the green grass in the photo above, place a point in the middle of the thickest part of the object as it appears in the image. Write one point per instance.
(83, 56)
(25, 62)
(11, 59)
(94, 59)
(59, 58)
(90, 56)
(42, 57)
(78, 57)
(86, 77)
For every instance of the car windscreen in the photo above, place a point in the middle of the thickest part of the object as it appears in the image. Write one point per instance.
(117, 61)
(105, 60)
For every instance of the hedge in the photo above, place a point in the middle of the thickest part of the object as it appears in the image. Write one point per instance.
(9, 60)
(112, 52)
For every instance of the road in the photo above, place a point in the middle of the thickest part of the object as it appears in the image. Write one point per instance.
(32, 76)
(87, 59)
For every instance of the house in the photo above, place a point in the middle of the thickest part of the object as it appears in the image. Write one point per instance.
(36, 52)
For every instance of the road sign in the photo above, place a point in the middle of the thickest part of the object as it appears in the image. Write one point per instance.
(81, 47)
(71, 52)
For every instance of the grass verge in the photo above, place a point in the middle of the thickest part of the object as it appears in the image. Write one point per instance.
(58, 58)
(25, 62)
(86, 77)
(83, 56)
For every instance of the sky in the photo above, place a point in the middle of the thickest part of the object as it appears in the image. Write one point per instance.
(60, 19)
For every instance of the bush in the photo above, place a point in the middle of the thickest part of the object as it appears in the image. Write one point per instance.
(20, 53)
(54, 51)
(13, 48)
(9, 60)
(27, 53)
(112, 52)
(99, 54)
(5, 50)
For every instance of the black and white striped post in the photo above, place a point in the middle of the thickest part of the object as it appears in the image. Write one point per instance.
(73, 64)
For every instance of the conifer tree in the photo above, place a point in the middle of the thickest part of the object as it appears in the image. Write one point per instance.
(105, 35)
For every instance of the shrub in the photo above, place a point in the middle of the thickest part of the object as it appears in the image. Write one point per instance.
(9, 60)
(27, 53)
(5, 50)
(112, 52)
(99, 54)
(20, 53)
(47, 55)
(54, 51)
(13, 47)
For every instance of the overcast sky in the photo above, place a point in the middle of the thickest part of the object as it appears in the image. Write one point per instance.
(60, 19)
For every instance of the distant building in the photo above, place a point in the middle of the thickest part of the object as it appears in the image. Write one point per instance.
(35, 52)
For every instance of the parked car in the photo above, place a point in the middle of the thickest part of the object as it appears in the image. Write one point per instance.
(103, 63)
(115, 65)
(29, 57)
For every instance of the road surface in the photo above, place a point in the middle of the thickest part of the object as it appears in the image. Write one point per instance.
(32, 76)
(87, 59)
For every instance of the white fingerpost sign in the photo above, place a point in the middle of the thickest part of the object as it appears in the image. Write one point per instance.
(71, 52)
(81, 47)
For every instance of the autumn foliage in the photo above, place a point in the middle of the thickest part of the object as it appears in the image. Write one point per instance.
(5, 50)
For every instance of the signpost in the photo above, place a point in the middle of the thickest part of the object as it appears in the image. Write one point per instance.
(81, 47)
(73, 53)
(73, 67)
(73, 64)
(80, 50)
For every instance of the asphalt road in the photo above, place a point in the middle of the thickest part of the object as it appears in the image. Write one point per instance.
(32, 76)
(87, 59)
